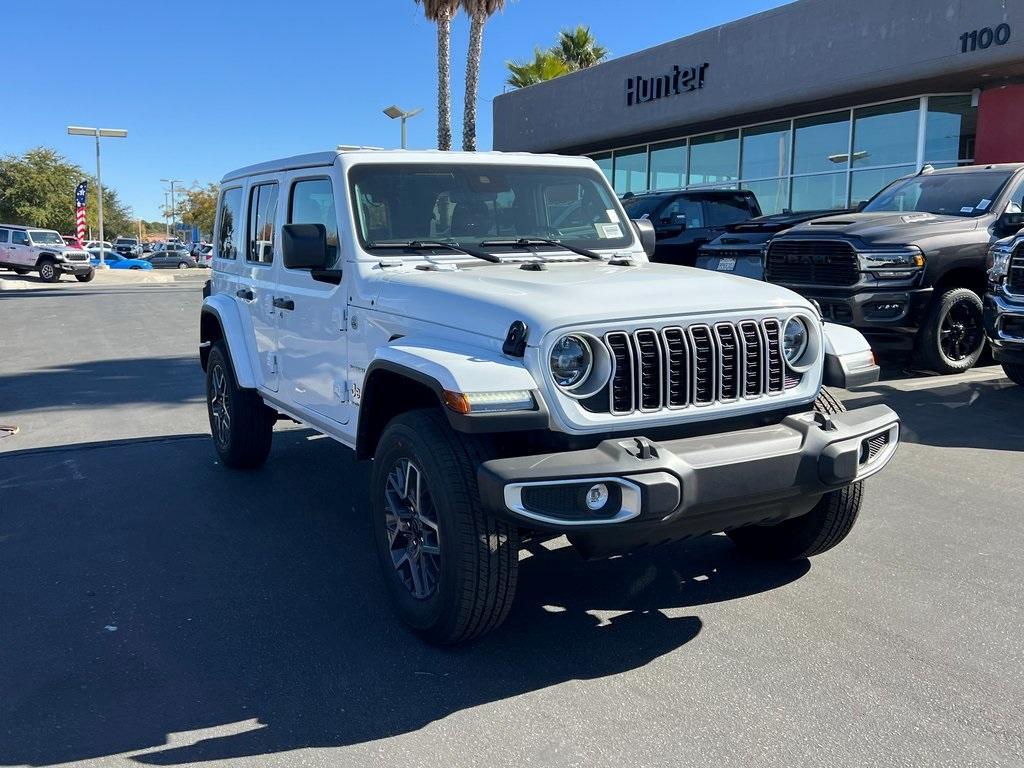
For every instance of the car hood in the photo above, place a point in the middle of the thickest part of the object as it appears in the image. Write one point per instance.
(882, 228)
(486, 299)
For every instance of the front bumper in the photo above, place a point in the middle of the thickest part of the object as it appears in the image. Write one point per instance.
(871, 309)
(1004, 323)
(659, 492)
(74, 267)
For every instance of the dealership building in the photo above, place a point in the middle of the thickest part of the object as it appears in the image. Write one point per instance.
(816, 104)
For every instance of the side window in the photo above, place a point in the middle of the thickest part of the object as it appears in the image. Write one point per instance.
(262, 216)
(229, 238)
(1015, 202)
(312, 202)
(19, 238)
(3, 235)
(723, 212)
(680, 211)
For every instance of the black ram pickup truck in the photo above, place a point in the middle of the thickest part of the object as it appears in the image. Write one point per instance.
(909, 269)
(1004, 305)
(740, 249)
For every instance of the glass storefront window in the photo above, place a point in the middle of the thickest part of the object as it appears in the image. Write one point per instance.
(772, 194)
(714, 158)
(950, 128)
(765, 151)
(668, 165)
(827, 190)
(886, 134)
(631, 171)
(864, 184)
(821, 143)
(604, 162)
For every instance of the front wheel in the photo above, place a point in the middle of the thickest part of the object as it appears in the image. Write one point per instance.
(241, 425)
(450, 567)
(87, 277)
(1014, 372)
(48, 272)
(182, 265)
(828, 523)
(953, 335)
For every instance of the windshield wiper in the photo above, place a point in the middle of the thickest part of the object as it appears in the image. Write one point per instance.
(421, 245)
(528, 242)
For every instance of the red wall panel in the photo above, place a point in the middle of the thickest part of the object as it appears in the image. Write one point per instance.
(1000, 126)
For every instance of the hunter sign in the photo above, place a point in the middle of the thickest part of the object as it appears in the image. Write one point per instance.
(640, 89)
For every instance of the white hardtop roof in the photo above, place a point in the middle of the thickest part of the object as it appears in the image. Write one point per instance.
(26, 226)
(356, 154)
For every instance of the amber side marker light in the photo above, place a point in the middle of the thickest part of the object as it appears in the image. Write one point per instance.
(489, 402)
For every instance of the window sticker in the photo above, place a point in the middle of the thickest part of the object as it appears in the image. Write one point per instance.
(984, 204)
(608, 230)
(967, 209)
(610, 214)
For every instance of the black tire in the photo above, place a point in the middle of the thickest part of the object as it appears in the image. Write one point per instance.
(48, 272)
(87, 277)
(182, 265)
(827, 524)
(476, 564)
(1014, 372)
(952, 337)
(243, 441)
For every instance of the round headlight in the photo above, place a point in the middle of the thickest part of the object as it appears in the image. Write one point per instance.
(794, 339)
(571, 361)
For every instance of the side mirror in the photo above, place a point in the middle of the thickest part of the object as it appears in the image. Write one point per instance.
(1009, 224)
(645, 231)
(304, 246)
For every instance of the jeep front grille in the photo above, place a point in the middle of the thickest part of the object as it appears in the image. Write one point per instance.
(693, 366)
(811, 262)
(1015, 272)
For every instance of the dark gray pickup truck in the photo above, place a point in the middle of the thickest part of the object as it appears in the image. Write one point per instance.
(909, 269)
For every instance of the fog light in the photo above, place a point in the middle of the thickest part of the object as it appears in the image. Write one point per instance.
(597, 496)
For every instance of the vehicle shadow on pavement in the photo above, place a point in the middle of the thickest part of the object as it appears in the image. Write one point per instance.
(99, 383)
(961, 414)
(183, 612)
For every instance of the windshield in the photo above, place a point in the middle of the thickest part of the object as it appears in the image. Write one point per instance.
(468, 204)
(946, 194)
(126, 241)
(42, 237)
(645, 205)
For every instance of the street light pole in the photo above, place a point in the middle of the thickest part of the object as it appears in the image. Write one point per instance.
(167, 224)
(113, 133)
(172, 182)
(397, 113)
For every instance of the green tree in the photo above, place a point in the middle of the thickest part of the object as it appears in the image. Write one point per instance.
(441, 12)
(38, 189)
(579, 49)
(479, 12)
(545, 65)
(198, 207)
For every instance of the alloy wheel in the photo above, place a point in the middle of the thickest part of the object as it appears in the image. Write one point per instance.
(412, 529)
(961, 332)
(219, 406)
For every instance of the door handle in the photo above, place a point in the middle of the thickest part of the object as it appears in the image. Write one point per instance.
(246, 294)
(283, 303)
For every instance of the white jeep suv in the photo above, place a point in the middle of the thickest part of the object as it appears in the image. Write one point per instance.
(30, 249)
(489, 330)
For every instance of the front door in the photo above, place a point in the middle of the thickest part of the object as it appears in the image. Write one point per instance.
(312, 341)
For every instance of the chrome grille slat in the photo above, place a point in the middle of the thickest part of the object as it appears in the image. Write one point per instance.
(696, 366)
(1015, 272)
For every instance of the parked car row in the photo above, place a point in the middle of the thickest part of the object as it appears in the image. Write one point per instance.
(909, 268)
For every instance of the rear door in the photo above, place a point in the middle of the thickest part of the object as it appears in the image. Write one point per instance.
(5, 240)
(258, 278)
(312, 341)
(20, 251)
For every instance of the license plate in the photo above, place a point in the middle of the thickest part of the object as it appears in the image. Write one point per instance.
(726, 265)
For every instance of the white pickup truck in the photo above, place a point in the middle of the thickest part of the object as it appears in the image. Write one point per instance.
(489, 330)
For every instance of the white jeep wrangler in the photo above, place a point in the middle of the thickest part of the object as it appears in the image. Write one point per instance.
(31, 249)
(489, 330)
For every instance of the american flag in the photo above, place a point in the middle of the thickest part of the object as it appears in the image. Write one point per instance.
(80, 192)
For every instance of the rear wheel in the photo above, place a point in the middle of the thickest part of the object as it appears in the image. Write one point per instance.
(953, 335)
(1015, 372)
(241, 425)
(827, 524)
(87, 277)
(48, 272)
(450, 567)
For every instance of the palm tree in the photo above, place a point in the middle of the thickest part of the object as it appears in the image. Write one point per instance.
(441, 12)
(578, 48)
(546, 65)
(479, 11)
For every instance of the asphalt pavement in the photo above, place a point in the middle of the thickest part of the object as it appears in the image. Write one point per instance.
(159, 609)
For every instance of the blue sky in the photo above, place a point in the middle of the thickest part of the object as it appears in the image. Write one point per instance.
(245, 82)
